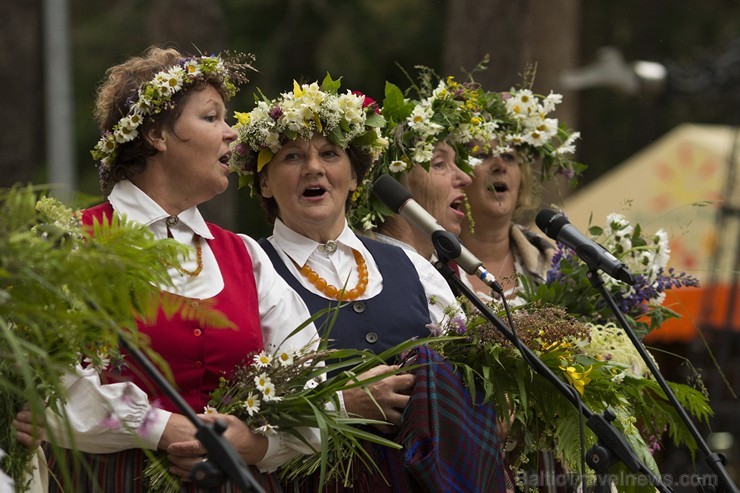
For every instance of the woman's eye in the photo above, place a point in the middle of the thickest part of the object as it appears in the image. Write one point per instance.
(508, 157)
(439, 164)
(210, 118)
(330, 153)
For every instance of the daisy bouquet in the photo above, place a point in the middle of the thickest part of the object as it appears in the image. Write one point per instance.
(597, 360)
(289, 391)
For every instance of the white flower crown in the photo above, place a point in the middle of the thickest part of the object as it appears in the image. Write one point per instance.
(344, 119)
(470, 120)
(156, 95)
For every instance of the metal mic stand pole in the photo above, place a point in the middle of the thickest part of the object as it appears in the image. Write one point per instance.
(713, 460)
(223, 461)
(611, 443)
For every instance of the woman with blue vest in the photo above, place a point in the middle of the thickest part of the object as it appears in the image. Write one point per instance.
(305, 154)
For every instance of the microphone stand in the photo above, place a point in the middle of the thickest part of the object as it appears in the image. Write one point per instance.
(223, 459)
(611, 445)
(714, 460)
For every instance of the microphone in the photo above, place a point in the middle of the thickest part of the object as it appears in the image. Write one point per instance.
(399, 200)
(557, 227)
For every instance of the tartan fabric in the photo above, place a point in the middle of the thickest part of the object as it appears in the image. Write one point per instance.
(451, 444)
(122, 472)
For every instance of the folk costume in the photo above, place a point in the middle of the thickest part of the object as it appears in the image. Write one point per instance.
(235, 275)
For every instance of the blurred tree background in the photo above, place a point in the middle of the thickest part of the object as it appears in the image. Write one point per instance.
(365, 42)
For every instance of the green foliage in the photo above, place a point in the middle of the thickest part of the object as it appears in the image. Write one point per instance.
(63, 297)
(601, 366)
(300, 396)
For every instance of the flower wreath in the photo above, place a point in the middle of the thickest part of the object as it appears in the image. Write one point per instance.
(446, 111)
(469, 119)
(155, 96)
(345, 119)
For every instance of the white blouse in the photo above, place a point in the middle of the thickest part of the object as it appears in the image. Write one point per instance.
(281, 311)
(339, 268)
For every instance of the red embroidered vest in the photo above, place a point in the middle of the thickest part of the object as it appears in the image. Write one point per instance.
(198, 355)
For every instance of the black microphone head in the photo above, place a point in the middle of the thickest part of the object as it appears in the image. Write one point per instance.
(390, 192)
(550, 222)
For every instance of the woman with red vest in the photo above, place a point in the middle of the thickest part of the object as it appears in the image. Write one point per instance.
(165, 150)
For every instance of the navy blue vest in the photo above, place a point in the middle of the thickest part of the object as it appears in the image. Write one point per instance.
(398, 313)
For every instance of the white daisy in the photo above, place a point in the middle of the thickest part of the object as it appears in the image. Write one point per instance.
(252, 404)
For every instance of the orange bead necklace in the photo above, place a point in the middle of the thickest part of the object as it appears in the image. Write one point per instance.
(332, 291)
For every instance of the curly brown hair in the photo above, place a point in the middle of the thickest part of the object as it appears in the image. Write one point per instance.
(115, 95)
(360, 160)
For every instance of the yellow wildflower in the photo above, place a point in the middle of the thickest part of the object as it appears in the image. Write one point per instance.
(577, 379)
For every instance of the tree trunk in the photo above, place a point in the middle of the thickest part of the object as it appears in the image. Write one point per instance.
(516, 35)
(21, 159)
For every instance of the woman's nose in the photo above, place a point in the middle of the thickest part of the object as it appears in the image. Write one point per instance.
(313, 164)
(230, 134)
(497, 164)
(462, 179)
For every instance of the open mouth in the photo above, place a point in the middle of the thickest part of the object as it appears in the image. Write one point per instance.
(225, 158)
(498, 187)
(314, 191)
(458, 205)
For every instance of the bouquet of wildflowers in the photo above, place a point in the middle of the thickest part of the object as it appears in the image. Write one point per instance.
(289, 391)
(64, 294)
(597, 360)
(645, 255)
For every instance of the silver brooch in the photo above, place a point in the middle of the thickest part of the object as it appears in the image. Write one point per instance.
(329, 247)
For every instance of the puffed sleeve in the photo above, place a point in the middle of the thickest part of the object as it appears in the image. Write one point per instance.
(281, 311)
(105, 418)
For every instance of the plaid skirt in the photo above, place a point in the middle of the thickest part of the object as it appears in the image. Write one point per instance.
(123, 472)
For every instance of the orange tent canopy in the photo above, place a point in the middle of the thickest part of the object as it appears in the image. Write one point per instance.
(679, 184)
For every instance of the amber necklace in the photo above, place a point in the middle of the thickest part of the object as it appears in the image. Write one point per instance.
(332, 291)
(198, 257)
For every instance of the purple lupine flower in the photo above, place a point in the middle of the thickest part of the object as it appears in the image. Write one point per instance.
(562, 253)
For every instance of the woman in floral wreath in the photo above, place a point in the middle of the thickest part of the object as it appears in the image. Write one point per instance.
(164, 151)
(429, 144)
(305, 153)
(505, 188)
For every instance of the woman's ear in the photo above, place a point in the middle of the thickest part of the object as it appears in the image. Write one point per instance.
(264, 186)
(353, 182)
(155, 136)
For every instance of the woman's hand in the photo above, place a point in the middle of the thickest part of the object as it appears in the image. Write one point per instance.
(28, 433)
(178, 429)
(390, 395)
(186, 455)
